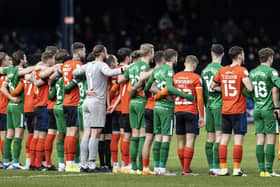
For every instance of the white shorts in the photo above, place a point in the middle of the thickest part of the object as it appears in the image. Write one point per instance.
(94, 113)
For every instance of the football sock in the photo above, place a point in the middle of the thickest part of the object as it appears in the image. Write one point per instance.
(164, 151)
(66, 152)
(121, 147)
(101, 154)
(145, 162)
(140, 148)
(16, 150)
(126, 146)
(181, 156)
(27, 145)
(40, 151)
(223, 156)
(33, 145)
(84, 150)
(77, 154)
(209, 154)
(60, 150)
(114, 147)
(237, 155)
(7, 149)
(93, 148)
(260, 156)
(107, 152)
(188, 155)
(72, 147)
(49, 148)
(134, 144)
(216, 159)
(269, 154)
(156, 153)
(2, 147)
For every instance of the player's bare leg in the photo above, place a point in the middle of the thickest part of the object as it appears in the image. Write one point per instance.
(146, 153)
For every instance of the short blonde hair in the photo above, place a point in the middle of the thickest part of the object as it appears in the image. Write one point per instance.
(191, 59)
(146, 48)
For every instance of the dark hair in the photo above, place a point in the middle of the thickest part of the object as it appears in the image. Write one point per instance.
(265, 54)
(47, 55)
(97, 50)
(159, 55)
(90, 57)
(169, 54)
(35, 58)
(77, 45)
(192, 59)
(122, 53)
(217, 49)
(110, 59)
(235, 51)
(17, 57)
(51, 48)
(135, 55)
(2, 57)
(61, 56)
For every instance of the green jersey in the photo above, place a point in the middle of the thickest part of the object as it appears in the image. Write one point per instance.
(263, 79)
(163, 77)
(133, 72)
(82, 84)
(211, 98)
(13, 80)
(59, 86)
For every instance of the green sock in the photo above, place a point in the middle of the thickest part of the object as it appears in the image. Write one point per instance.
(260, 156)
(16, 149)
(156, 153)
(7, 149)
(209, 154)
(269, 154)
(216, 163)
(77, 155)
(134, 151)
(164, 154)
(60, 150)
(141, 143)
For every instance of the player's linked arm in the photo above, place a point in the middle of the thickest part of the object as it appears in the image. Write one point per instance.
(52, 93)
(113, 90)
(71, 85)
(26, 71)
(200, 101)
(6, 93)
(149, 84)
(18, 89)
(247, 83)
(216, 86)
(171, 89)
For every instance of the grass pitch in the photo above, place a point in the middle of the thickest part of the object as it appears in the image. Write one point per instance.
(199, 165)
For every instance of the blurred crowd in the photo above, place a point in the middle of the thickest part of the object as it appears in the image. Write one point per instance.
(177, 25)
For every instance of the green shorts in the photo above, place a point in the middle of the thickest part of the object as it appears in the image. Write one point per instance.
(265, 122)
(163, 120)
(80, 118)
(15, 116)
(59, 117)
(213, 119)
(136, 112)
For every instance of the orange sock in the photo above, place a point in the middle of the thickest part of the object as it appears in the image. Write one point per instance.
(40, 151)
(49, 148)
(72, 147)
(146, 162)
(188, 155)
(27, 145)
(126, 153)
(114, 147)
(223, 156)
(56, 139)
(1, 147)
(66, 152)
(121, 147)
(181, 156)
(33, 145)
(237, 155)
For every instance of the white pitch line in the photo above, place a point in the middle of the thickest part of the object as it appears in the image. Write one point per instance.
(49, 176)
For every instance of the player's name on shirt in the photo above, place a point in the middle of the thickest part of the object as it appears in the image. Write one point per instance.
(229, 75)
(210, 69)
(258, 73)
(181, 80)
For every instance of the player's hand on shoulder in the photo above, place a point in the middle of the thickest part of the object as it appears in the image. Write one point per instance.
(90, 93)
